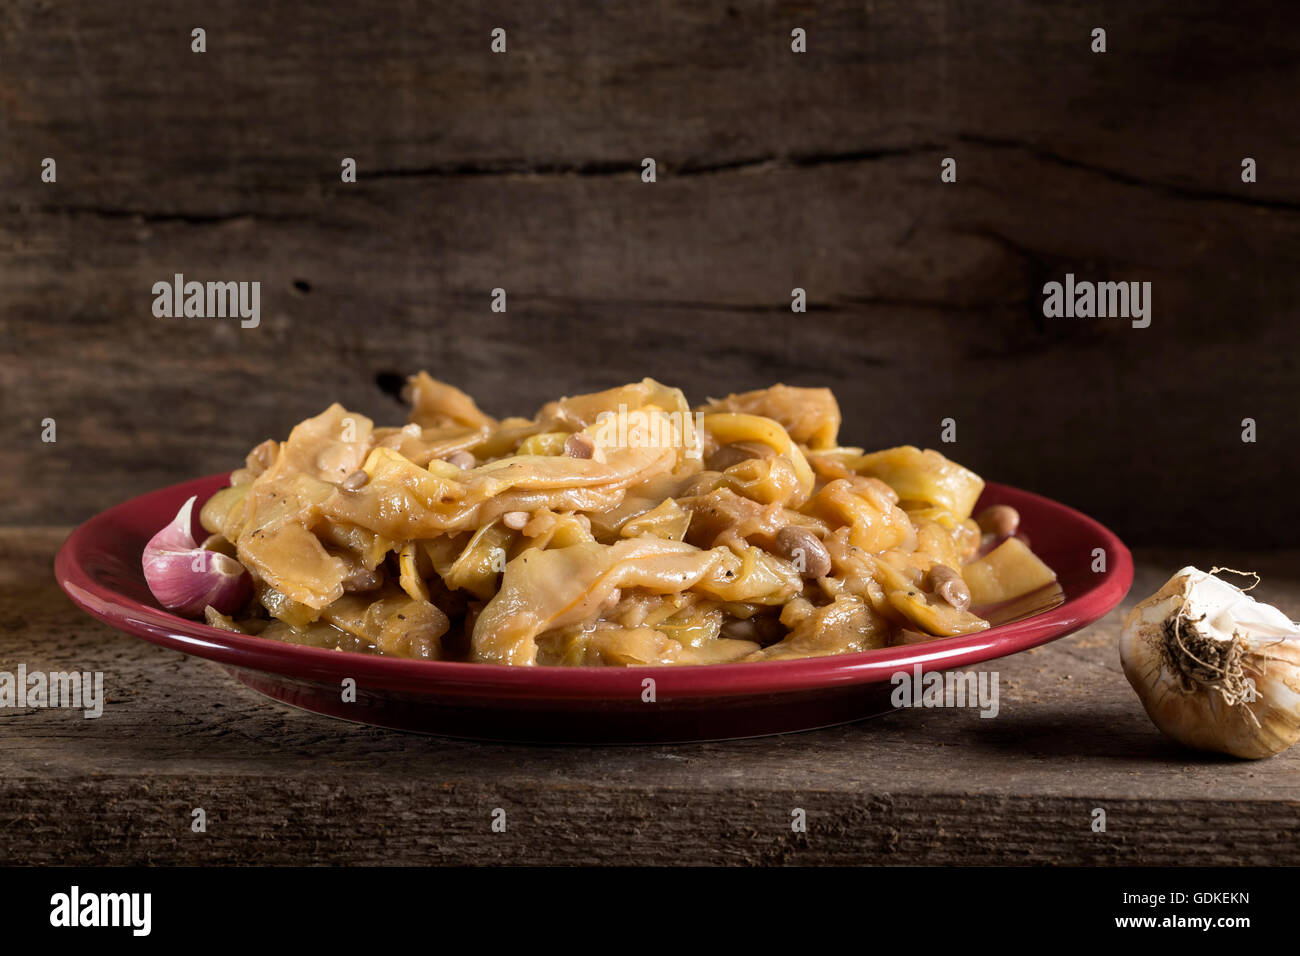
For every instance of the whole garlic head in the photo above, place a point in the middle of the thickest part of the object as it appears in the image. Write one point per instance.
(1215, 669)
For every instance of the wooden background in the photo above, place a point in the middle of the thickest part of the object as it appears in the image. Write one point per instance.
(775, 171)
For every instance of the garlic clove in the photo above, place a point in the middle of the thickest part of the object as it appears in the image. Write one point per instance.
(177, 536)
(186, 578)
(1214, 668)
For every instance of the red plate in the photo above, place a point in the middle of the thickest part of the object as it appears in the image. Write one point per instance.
(99, 568)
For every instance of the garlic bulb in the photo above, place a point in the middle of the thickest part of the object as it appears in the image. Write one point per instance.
(186, 578)
(1215, 669)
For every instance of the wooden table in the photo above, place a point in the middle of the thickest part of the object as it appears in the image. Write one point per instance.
(282, 786)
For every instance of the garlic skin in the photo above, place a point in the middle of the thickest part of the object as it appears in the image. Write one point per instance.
(1192, 652)
(186, 578)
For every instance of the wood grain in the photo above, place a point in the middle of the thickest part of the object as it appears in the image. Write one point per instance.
(933, 787)
(775, 170)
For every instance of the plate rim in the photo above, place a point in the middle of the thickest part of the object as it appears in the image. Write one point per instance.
(466, 679)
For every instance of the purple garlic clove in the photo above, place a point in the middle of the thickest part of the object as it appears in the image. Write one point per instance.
(186, 578)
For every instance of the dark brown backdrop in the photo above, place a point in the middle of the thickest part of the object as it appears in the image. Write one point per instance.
(775, 171)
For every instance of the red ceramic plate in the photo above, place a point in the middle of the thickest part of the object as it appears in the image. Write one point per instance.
(99, 568)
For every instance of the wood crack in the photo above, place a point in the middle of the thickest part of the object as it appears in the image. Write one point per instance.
(841, 303)
(604, 168)
(142, 215)
(677, 304)
(1127, 179)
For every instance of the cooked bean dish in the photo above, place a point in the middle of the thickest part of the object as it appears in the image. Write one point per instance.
(624, 527)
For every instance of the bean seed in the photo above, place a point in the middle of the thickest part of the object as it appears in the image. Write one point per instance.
(735, 453)
(362, 579)
(515, 520)
(1000, 520)
(762, 629)
(461, 459)
(793, 542)
(950, 586)
(579, 445)
(355, 481)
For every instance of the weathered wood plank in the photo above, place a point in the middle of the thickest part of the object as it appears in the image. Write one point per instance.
(818, 171)
(281, 91)
(921, 787)
(618, 280)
